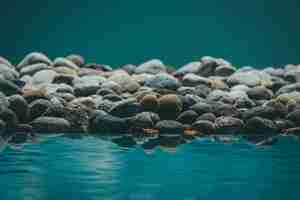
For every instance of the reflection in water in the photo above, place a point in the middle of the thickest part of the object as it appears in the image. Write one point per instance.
(120, 167)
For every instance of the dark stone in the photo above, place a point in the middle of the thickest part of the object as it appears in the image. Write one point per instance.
(207, 116)
(84, 90)
(170, 106)
(125, 108)
(19, 105)
(269, 112)
(101, 122)
(51, 125)
(202, 91)
(204, 126)
(163, 81)
(228, 125)
(187, 117)
(9, 88)
(169, 127)
(144, 120)
(260, 93)
(112, 97)
(294, 117)
(38, 107)
(202, 108)
(259, 125)
(10, 119)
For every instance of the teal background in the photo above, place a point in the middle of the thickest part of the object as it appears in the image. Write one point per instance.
(258, 33)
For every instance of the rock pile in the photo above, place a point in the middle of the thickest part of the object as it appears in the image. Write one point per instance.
(209, 96)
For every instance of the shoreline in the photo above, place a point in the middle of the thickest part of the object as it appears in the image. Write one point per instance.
(202, 98)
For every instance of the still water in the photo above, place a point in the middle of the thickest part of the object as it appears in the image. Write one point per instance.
(97, 168)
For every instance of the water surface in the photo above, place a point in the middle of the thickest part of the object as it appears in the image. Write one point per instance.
(92, 168)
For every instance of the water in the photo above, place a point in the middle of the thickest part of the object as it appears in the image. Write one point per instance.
(94, 168)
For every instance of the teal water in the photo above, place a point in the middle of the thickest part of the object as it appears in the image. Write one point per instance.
(92, 168)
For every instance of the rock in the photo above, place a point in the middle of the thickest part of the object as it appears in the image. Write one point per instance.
(292, 75)
(125, 108)
(202, 91)
(186, 90)
(38, 107)
(244, 88)
(259, 125)
(51, 125)
(92, 80)
(259, 93)
(283, 124)
(208, 66)
(207, 116)
(144, 120)
(32, 69)
(43, 77)
(225, 70)
(228, 125)
(63, 78)
(10, 118)
(63, 62)
(22, 134)
(268, 112)
(19, 105)
(163, 81)
(250, 78)
(169, 106)
(4, 103)
(5, 62)
(2, 127)
(8, 73)
(201, 108)
(149, 102)
(189, 100)
(194, 80)
(129, 68)
(154, 66)
(76, 59)
(294, 117)
(34, 58)
(9, 88)
(105, 105)
(104, 123)
(142, 78)
(244, 102)
(87, 85)
(187, 117)
(62, 70)
(216, 95)
(222, 109)
(100, 67)
(105, 91)
(192, 67)
(289, 88)
(90, 72)
(88, 102)
(53, 88)
(279, 72)
(125, 81)
(113, 86)
(112, 97)
(169, 127)
(204, 126)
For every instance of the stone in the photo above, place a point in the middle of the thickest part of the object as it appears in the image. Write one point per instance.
(207, 116)
(163, 81)
(223, 109)
(243, 88)
(62, 70)
(9, 88)
(105, 91)
(202, 91)
(149, 102)
(294, 117)
(244, 102)
(169, 127)
(61, 87)
(286, 97)
(292, 75)
(201, 108)
(34, 68)
(142, 78)
(76, 59)
(63, 78)
(129, 68)
(279, 72)
(48, 125)
(112, 97)
(87, 85)
(259, 93)
(289, 88)
(153, 66)
(204, 126)
(125, 108)
(192, 67)
(185, 90)
(38, 107)
(105, 105)
(228, 125)
(193, 80)
(88, 102)
(169, 106)
(33, 58)
(2, 127)
(103, 123)
(187, 117)
(146, 120)
(224, 70)
(208, 66)
(216, 95)
(4, 103)
(19, 105)
(250, 78)
(113, 86)
(8, 73)
(125, 81)
(43, 77)
(269, 112)
(10, 118)
(100, 67)
(259, 125)
(64, 62)
(5, 62)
